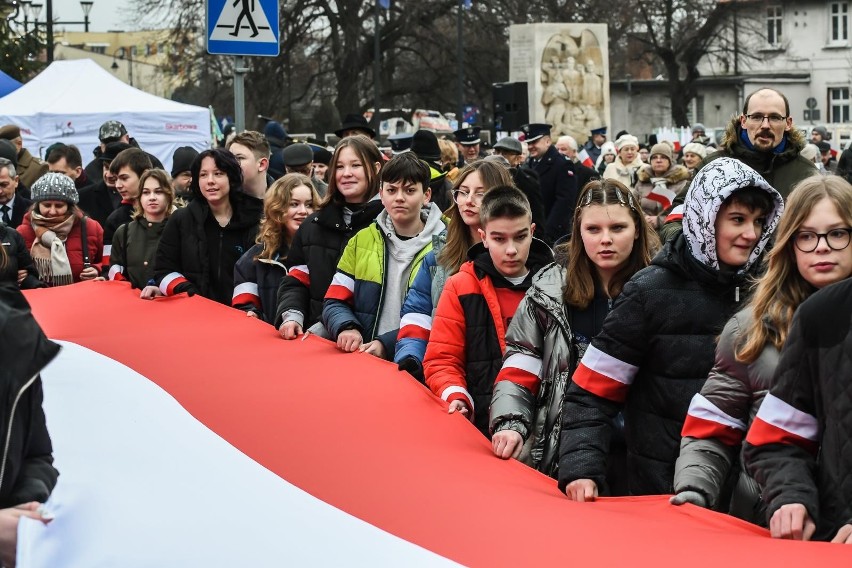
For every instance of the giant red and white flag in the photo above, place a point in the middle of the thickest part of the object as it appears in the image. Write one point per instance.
(187, 434)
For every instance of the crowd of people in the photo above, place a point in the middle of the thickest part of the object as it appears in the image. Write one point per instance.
(623, 317)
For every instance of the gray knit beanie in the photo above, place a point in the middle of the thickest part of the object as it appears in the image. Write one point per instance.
(54, 186)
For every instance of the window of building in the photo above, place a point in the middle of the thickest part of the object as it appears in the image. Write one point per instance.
(838, 103)
(98, 49)
(774, 16)
(839, 21)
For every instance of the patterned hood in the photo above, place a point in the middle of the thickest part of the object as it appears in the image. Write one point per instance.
(714, 183)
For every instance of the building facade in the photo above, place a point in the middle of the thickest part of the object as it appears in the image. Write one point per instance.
(802, 48)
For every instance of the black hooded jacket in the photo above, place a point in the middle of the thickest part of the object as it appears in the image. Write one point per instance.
(28, 474)
(198, 256)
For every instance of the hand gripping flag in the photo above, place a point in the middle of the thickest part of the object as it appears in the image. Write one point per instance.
(187, 434)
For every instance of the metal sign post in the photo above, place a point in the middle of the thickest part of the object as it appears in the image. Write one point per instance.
(242, 28)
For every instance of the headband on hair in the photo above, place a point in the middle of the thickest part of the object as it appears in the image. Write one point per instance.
(628, 202)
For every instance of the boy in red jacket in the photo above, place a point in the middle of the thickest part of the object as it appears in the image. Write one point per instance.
(467, 341)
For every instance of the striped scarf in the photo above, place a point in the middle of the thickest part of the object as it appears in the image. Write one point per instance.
(48, 250)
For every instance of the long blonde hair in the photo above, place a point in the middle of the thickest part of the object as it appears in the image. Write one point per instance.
(581, 272)
(276, 202)
(782, 288)
(454, 253)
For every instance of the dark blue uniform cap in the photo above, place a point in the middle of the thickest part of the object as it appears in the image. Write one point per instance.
(533, 132)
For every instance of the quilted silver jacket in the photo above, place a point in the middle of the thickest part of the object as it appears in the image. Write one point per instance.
(539, 329)
(736, 389)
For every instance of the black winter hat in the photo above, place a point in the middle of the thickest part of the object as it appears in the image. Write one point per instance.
(355, 122)
(9, 151)
(182, 160)
(425, 144)
(112, 150)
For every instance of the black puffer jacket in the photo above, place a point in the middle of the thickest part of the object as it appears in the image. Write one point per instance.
(18, 258)
(256, 281)
(658, 344)
(196, 255)
(313, 257)
(799, 447)
(29, 474)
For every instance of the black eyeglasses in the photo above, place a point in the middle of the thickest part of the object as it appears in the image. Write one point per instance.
(836, 239)
(759, 117)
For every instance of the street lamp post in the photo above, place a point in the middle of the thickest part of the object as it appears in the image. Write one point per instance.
(122, 52)
(34, 10)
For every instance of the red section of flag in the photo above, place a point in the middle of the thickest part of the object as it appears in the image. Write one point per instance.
(357, 433)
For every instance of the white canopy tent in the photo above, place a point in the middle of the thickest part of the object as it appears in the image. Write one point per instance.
(69, 100)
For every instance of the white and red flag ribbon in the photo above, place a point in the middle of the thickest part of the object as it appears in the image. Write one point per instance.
(187, 434)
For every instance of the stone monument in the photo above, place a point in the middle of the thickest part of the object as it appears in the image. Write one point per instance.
(566, 68)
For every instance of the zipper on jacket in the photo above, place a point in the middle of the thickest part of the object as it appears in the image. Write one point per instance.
(737, 294)
(219, 258)
(382, 279)
(9, 429)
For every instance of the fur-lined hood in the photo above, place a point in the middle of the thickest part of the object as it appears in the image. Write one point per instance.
(676, 174)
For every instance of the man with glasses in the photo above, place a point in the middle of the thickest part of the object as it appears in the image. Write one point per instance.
(762, 137)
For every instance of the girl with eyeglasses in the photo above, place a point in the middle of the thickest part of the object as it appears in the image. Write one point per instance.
(449, 252)
(561, 312)
(811, 251)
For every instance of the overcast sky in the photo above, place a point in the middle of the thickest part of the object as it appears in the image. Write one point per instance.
(105, 14)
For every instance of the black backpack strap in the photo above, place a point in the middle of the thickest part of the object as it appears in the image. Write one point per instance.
(86, 260)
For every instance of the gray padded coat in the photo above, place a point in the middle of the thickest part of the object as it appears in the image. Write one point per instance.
(540, 329)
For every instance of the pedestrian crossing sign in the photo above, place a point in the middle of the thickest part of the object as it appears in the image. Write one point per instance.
(242, 27)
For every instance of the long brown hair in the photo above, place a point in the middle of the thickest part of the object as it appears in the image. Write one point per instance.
(582, 274)
(276, 202)
(368, 153)
(454, 253)
(782, 288)
(165, 181)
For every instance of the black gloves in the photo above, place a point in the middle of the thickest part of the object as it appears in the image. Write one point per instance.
(187, 287)
(413, 367)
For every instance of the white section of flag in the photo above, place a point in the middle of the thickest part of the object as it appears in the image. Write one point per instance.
(144, 483)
